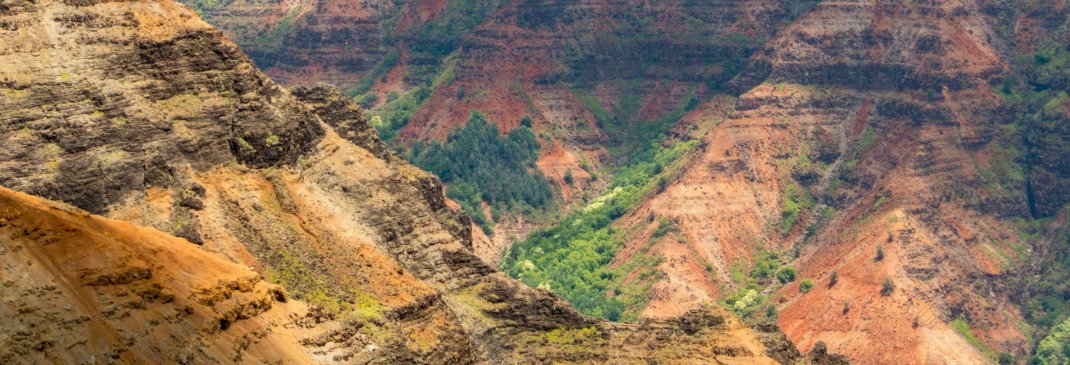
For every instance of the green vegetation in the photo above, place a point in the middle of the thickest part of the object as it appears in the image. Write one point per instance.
(1047, 308)
(1055, 348)
(963, 328)
(795, 200)
(377, 73)
(747, 302)
(888, 287)
(479, 165)
(786, 274)
(432, 41)
(833, 278)
(665, 226)
(200, 6)
(564, 336)
(805, 285)
(572, 257)
(628, 135)
(880, 253)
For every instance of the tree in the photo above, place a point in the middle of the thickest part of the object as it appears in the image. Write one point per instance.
(786, 274)
(478, 165)
(880, 252)
(568, 177)
(888, 287)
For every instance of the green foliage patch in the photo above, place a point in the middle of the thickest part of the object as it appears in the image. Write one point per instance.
(572, 258)
(479, 165)
(963, 329)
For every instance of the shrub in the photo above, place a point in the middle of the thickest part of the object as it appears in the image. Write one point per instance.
(1005, 358)
(786, 274)
(665, 227)
(367, 101)
(806, 285)
(846, 307)
(888, 287)
(880, 252)
(833, 278)
(568, 177)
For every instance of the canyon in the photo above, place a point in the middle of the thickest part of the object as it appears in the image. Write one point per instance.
(748, 181)
(170, 203)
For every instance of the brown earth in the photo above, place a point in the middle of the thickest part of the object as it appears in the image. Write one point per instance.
(79, 287)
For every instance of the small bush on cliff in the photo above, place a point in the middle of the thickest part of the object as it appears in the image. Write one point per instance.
(805, 285)
(833, 278)
(888, 287)
(786, 274)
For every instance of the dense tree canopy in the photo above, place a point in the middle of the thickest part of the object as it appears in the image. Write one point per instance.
(479, 165)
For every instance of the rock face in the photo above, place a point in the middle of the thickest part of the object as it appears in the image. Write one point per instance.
(140, 112)
(308, 41)
(867, 126)
(128, 98)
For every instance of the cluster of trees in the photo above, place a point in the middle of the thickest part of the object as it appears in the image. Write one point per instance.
(767, 270)
(479, 165)
(572, 258)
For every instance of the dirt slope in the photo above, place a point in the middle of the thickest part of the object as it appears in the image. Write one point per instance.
(80, 287)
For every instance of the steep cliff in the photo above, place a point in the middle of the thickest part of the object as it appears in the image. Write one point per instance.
(140, 112)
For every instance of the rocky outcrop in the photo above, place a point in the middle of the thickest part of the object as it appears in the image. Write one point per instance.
(338, 110)
(140, 112)
(114, 112)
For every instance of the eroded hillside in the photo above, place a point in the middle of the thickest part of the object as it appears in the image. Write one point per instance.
(140, 112)
(79, 287)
